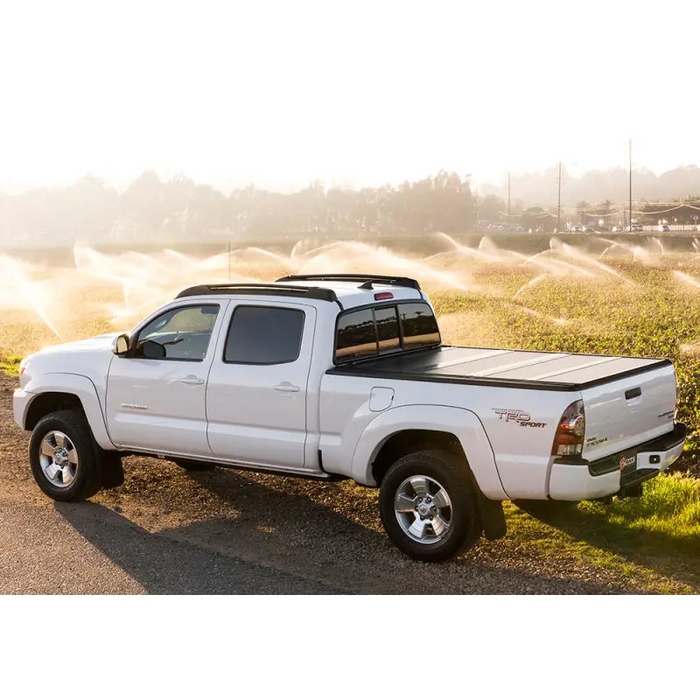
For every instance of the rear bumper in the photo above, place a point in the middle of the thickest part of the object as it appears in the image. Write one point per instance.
(580, 480)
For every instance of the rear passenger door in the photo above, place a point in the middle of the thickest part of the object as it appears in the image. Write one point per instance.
(257, 388)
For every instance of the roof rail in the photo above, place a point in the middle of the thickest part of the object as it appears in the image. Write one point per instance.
(277, 290)
(380, 279)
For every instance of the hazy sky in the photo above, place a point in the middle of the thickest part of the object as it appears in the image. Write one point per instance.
(286, 145)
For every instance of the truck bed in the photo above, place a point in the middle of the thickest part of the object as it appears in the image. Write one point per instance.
(549, 371)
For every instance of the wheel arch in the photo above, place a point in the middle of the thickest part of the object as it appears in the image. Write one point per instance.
(55, 392)
(404, 442)
(50, 402)
(456, 430)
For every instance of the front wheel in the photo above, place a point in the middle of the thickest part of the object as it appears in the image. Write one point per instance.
(63, 457)
(428, 506)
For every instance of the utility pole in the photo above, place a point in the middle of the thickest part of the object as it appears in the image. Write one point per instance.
(473, 191)
(630, 220)
(509, 199)
(559, 201)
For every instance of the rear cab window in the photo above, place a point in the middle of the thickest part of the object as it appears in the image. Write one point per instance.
(385, 329)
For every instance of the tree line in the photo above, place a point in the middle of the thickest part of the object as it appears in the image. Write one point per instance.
(151, 210)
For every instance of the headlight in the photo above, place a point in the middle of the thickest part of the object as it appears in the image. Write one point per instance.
(23, 365)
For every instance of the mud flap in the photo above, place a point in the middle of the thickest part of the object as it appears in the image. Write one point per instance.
(493, 519)
(110, 466)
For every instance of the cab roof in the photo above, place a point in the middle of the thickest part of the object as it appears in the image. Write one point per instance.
(346, 290)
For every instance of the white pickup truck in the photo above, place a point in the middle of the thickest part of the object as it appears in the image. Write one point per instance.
(346, 376)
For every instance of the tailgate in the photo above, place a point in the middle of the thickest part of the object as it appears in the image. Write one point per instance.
(622, 413)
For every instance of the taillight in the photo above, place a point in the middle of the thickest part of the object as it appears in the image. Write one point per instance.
(570, 431)
(23, 366)
(383, 295)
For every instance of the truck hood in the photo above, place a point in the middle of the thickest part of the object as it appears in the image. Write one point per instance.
(97, 342)
(90, 358)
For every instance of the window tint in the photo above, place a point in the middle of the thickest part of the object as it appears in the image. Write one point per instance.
(375, 331)
(357, 336)
(418, 325)
(184, 332)
(387, 329)
(262, 335)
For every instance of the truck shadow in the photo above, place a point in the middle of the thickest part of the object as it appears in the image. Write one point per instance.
(164, 564)
(304, 532)
(676, 558)
(282, 542)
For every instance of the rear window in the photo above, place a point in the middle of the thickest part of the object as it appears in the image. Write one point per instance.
(387, 329)
(418, 326)
(371, 332)
(357, 335)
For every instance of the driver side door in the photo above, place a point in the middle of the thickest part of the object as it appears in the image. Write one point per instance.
(156, 403)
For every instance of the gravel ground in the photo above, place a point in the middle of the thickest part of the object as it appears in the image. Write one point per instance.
(224, 531)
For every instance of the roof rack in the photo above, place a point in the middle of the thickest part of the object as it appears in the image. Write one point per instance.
(380, 279)
(277, 290)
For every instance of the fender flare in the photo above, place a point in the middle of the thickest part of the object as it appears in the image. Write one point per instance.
(84, 389)
(464, 424)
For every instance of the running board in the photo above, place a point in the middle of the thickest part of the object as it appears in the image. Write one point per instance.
(279, 471)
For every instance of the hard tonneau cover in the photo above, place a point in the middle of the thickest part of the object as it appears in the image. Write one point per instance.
(549, 371)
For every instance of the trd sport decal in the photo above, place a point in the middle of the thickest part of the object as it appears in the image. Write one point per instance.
(523, 418)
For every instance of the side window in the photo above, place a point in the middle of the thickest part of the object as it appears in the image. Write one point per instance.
(357, 335)
(184, 332)
(418, 325)
(264, 335)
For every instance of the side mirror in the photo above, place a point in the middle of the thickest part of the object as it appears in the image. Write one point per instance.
(120, 346)
(153, 350)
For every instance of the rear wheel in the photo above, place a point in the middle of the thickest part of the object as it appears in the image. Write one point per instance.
(429, 507)
(63, 456)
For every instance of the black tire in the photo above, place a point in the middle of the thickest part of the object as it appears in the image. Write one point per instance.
(88, 478)
(192, 465)
(454, 476)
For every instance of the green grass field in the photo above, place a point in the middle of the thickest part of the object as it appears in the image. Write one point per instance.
(570, 300)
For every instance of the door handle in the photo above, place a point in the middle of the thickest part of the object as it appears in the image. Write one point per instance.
(191, 380)
(286, 386)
